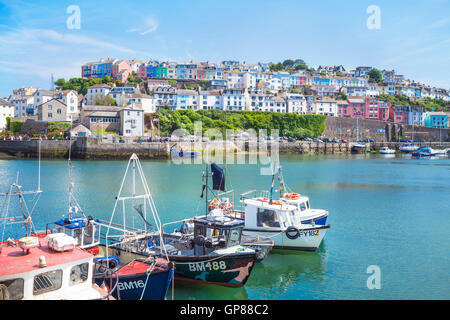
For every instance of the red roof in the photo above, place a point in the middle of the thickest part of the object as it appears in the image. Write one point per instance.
(13, 261)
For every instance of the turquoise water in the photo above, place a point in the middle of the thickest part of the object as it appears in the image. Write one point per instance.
(389, 212)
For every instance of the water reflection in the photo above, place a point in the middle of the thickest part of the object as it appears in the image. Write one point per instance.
(194, 291)
(283, 269)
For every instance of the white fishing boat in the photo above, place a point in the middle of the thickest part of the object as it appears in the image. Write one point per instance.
(281, 222)
(386, 150)
(409, 147)
(304, 210)
(440, 152)
(38, 266)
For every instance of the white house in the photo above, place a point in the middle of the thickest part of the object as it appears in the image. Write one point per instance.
(235, 99)
(260, 101)
(41, 96)
(143, 101)
(95, 92)
(296, 103)
(210, 100)
(326, 107)
(165, 96)
(132, 121)
(23, 105)
(122, 94)
(353, 91)
(6, 110)
(70, 99)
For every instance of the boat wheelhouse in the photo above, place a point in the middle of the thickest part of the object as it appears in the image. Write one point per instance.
(306, 214)
(211, 254)
(47, 268)
(304, 211)
(281, 222)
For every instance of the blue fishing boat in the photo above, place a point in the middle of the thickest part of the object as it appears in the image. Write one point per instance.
(424, 152)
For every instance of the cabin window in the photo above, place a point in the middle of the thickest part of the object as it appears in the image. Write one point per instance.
(235, 237)
(46, 282)
(212, 232)
(302, 206)
(267, 218)
(79, 274)
(198, 230)
(307, 204)
(15, 288)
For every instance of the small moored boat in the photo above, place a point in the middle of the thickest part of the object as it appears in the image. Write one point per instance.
(424, 152)
(408, 147)
(386, 150)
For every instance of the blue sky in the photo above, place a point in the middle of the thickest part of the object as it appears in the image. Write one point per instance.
(35, 42)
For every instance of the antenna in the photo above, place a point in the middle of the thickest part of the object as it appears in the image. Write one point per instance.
(39, 166)
(53, 86)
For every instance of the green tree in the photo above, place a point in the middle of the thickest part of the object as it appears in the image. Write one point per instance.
(375, 76)
(106, 101)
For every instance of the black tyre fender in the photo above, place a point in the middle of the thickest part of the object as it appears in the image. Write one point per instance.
(208, 244)
(200, 240)
(112, 264)
(289, 232)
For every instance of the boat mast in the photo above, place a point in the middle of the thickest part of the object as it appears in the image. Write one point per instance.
(206, 187)
(357, 129)
(280, 179)
(70, 169)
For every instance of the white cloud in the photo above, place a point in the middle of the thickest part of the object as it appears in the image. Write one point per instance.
(37, 53)
(149, 25)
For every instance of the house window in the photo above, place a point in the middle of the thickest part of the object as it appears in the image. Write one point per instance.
(49, 107)
(58, 111)
(50, 115)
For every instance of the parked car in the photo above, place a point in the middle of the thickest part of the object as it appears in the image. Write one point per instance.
(344, 141)
(290, 139)
(307, 139)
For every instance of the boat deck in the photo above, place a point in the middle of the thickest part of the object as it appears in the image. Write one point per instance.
(14, 261)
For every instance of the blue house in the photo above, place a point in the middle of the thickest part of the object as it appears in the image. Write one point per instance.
(436, 120)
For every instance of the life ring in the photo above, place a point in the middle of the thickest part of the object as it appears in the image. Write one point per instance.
(291, 229)
(292, 196)
(263, 199)
(277, 202)
(213, 204)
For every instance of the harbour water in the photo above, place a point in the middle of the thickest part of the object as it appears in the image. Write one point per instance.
(392, 212)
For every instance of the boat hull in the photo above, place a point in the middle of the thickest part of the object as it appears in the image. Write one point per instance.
(359, 150)
(139, 286)
(318, 221)
(232, 270)
(308, 239)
